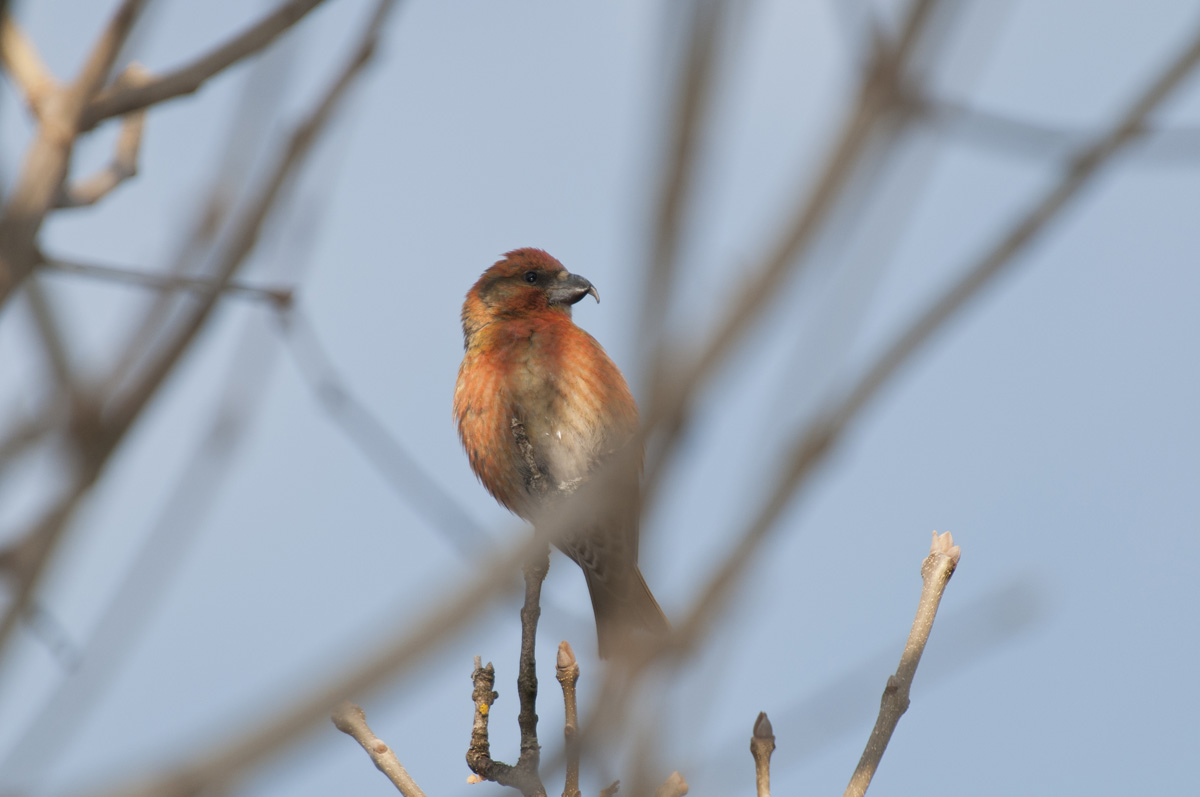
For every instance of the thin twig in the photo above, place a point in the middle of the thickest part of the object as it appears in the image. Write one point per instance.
(189, 78)
(375, 441)
(103, 55)
(351, 720)
(762, 744)
(50, 334)
(567, 671)
(124, 164)
(1024, 137)
(936, 571)
(523, 775)
(279, 297)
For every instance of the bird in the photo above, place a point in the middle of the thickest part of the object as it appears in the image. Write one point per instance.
(546, 418)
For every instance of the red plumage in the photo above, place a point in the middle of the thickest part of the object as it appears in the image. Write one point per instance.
(540, 408)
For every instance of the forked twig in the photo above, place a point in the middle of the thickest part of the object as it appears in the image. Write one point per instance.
(119, 101)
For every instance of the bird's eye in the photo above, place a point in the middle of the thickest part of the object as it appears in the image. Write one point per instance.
(531, 277)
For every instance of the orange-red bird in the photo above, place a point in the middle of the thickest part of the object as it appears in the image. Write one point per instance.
(540, 406)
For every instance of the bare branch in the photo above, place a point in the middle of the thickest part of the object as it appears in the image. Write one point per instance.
(51, 336)
(877, 98)
(281, 298)
(98, 437)
(523, 775)
(25, 65)
(567, 671)
(187, 79)
(812, 445)
(100, 61)
(351, 720)
(1033, 139)
(124, 164)
(762, 744)
(936, 571)
(238, 753)
(691, 101)
(44, 168)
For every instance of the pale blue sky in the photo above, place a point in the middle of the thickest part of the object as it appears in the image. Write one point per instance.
(1052, 428)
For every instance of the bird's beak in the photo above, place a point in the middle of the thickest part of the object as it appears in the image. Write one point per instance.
(570, 288)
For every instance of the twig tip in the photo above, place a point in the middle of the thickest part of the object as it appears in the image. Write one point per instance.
(762, 727)
(944, 544)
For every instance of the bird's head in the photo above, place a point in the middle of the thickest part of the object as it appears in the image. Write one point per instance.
(526, 282)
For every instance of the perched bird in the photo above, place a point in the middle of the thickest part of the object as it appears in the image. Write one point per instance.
(546, 419)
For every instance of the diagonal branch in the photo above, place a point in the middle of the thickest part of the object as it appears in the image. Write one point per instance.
(118, 101)
(99, 436)
(936, 571)
(25, 66)
(815, 442)
(351, 720)
(812, 445)
(878, 96)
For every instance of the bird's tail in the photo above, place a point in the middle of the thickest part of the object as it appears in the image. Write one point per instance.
(622, 608)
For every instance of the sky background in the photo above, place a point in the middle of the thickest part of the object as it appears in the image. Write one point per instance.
(1051, 427)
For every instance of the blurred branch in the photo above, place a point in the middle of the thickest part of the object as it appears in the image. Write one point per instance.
(24, 434)
(351, 720)
(813, 443)
(877, 97)
(96, 436)
(281, 298)
(47, 160)
(124, 164)
(566, 669)
(51, 337)
(376, 442)
(25, 65)
(523, 775)
(238, 752)
(1023, 137)
(762, 744)
(260, 101)
(692, 98)
(119, 101)
(936, 571)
